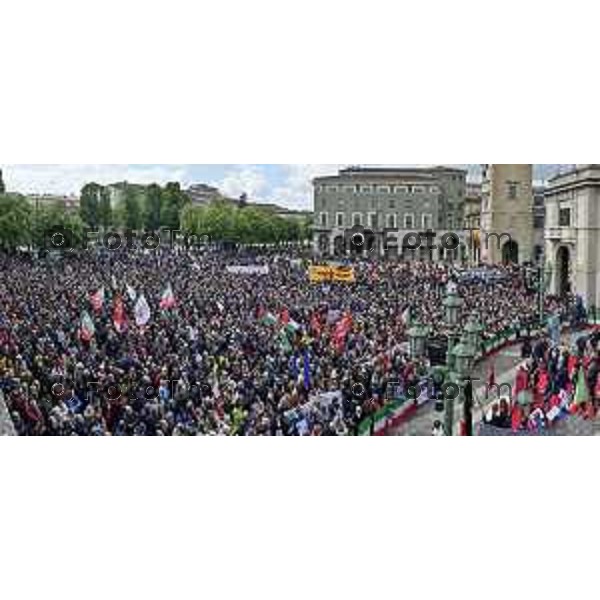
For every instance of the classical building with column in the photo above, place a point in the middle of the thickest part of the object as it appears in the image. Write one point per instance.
(388, 199)
(573, 233)
(507, 232)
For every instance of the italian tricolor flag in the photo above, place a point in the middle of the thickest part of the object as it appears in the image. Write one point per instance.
(168, 299)
(87, 328)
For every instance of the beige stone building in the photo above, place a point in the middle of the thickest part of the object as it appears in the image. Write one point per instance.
(507, 233)
(573, 233)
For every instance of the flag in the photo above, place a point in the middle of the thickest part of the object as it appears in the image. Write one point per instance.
(168, 299)
(581, 391)
(307, 382)
(119, 317)
(131, 293)
(292, 327)
(284, 341)
(269, 319)
(406, 317)
(341, 331)
(142, 311)
(285, 316)
(87, 328)
(97, 300)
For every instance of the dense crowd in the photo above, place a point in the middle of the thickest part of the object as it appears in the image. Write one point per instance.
(214, 364)
(555, 381)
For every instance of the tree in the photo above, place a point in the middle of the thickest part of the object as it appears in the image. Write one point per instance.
(16, 219)
(132, 210)
(173, 202)
(152, 207)
(89, 204)
(105, 216)
(2, 186)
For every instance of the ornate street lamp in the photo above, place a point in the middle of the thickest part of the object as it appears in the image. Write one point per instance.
(464, 356)
(417, 336)
(463, 359)
(453, 304)
(474, 331)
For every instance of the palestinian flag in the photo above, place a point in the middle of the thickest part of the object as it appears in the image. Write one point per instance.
(292, 327)
(167, 301)
(97, 300)
(87, 329)
(119, 317)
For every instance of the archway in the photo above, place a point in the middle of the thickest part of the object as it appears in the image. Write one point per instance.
(510, 252)
(563, 270)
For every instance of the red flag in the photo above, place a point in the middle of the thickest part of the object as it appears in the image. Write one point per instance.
(516, 417)
(284, 319)
(341, 331)
(119, 317)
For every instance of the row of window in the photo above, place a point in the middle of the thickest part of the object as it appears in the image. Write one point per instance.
(392, 204)
(382, 189)
(391, 221)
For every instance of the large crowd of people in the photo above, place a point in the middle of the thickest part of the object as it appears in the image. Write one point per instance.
(235, 353)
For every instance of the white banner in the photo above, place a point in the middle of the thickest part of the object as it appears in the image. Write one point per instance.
(248, 270)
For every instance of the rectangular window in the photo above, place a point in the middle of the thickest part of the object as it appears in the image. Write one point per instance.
(383, 189)
(418, 189)
(434, 189)
(450, 221)
(513, 191)
(564, 217)
(401, 189)
(409, 221)
(391, 221)
(357, 219)
(351, 189)
(392, 205)
(366, 189)
(332, 188)
(427, 221)
(323, 219)
(372, 220)
(339, 219)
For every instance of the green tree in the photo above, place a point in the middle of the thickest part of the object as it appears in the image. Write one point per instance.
(152, 207)
(173, 202)
(132, 210)
(105, 212)
(89, 204)
(16, 221)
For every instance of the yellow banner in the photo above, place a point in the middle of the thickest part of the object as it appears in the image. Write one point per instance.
(319, 274)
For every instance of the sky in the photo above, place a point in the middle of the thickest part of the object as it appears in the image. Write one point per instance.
(288, 185)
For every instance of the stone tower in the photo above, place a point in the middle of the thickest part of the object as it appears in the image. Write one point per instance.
(507, 233)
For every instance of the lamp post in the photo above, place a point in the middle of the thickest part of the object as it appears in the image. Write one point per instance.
(417, 336)
(464, 356)
(474, 331)
(453, 304)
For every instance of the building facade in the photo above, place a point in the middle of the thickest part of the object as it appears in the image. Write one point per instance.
(573, 233)
(380, 199)
(507, 214)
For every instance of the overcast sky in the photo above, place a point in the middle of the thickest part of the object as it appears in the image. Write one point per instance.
(288, 185)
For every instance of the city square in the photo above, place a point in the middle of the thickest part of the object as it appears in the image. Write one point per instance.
(447, 300)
